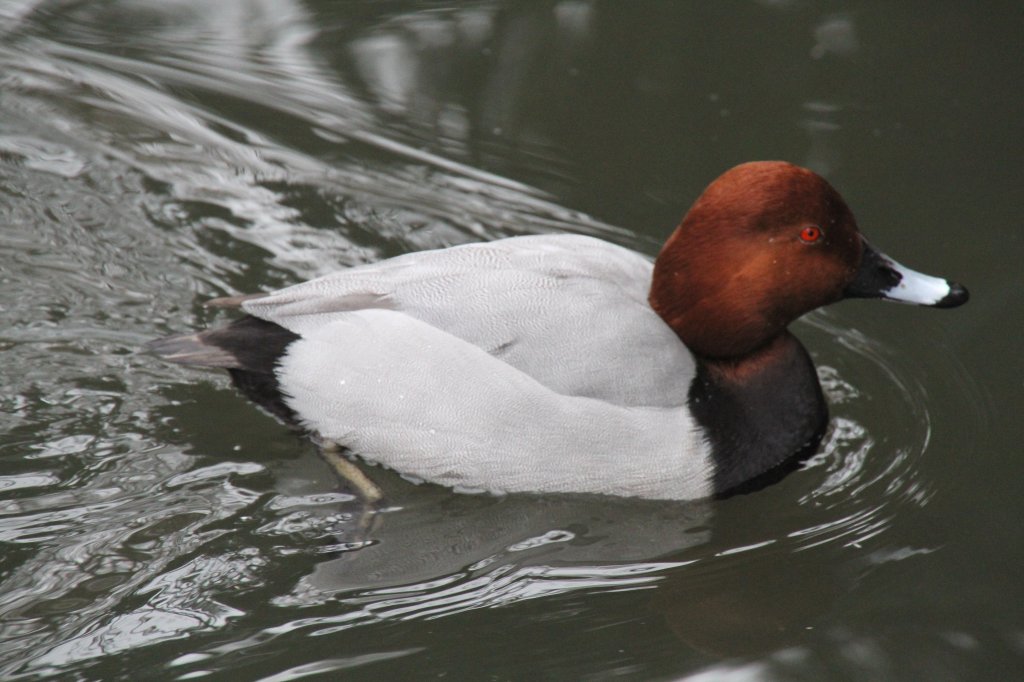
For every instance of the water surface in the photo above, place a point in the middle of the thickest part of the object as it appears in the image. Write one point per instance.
(154, 155)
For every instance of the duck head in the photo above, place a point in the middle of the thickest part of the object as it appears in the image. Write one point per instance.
(764, 244)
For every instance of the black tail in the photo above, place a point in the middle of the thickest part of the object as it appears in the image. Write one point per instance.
(249, 348)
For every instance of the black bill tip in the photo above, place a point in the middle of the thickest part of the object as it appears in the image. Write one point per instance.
(958, 295)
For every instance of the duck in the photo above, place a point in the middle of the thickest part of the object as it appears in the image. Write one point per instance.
(563, 363)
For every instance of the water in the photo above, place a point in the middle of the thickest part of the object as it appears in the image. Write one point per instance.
(154, 155)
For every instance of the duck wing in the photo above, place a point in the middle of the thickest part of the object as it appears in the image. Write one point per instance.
(567, 310)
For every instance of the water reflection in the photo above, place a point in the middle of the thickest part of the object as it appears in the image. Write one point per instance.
(154, 154)
(500, 549)
(207, 159)
(837, 36)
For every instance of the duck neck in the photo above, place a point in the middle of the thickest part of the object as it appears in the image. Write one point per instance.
(763, 413)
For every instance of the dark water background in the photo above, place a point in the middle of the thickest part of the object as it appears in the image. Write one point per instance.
(154, 154)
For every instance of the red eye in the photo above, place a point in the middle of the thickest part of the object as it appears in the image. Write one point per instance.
(811, 233)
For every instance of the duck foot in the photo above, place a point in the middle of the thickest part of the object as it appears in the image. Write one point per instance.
(351, 473)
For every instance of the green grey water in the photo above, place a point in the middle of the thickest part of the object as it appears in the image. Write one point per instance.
(154, 155)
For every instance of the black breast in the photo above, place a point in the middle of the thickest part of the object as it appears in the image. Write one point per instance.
(763, 414)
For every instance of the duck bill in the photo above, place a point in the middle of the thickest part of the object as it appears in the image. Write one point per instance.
(881, 277)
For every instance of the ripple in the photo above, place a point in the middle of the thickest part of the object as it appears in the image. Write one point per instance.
(17, 482)
(217, 150)
(44, 156)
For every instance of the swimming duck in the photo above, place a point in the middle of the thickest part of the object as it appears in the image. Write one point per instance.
(564, 363)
